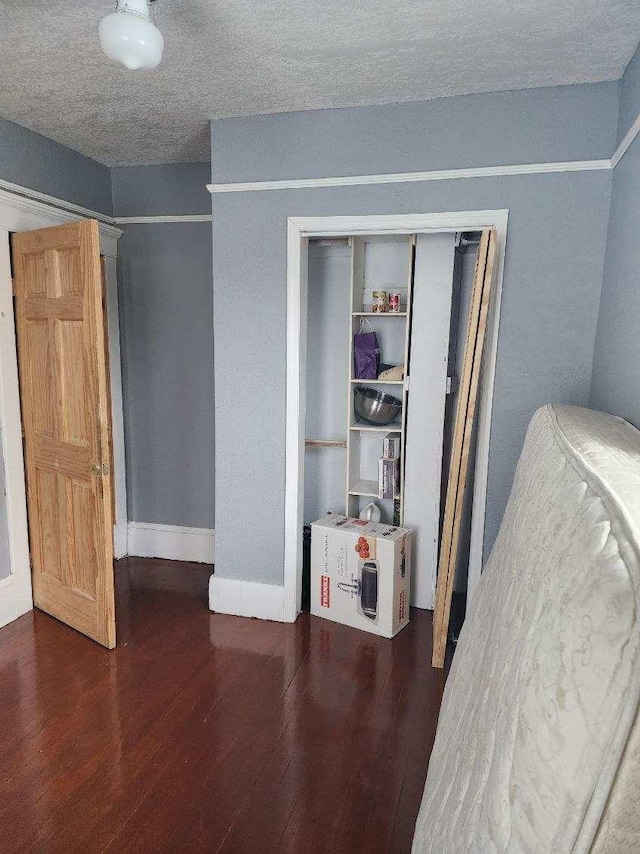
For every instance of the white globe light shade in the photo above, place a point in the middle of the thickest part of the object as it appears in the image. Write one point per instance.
(127, 36)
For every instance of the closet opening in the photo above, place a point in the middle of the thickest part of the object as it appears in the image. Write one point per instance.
(383, 322)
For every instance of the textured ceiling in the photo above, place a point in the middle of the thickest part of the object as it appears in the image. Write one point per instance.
(241, 57)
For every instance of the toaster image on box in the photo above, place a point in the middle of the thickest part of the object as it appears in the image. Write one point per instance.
(365, 588)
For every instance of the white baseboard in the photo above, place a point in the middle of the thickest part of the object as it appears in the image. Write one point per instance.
(120, 544)
(246, 598)
(7, 601)
(10, 607)
(172, 542)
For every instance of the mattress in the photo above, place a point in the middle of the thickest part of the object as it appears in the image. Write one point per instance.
(538, 741)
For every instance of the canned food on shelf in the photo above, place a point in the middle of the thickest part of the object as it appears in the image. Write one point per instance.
(379, 302)
(394, 302)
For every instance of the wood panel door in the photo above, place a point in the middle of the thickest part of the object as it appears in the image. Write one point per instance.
(66, 421)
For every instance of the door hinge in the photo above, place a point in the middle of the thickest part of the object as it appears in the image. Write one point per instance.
(452, 384)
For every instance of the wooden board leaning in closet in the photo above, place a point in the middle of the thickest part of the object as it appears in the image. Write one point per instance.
(461, 445)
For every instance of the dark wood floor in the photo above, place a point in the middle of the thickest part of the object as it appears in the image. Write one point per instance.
(204, 732)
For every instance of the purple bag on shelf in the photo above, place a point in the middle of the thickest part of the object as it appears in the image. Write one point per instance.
(366, 353)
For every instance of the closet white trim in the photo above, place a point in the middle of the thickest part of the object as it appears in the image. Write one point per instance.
(52, 202)
(299, 230)
(628, 138)
(410, 177)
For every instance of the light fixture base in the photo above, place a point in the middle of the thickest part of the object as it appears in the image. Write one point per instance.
(134, 7)
(129, 37)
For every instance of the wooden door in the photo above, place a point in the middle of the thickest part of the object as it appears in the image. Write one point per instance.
(65, 411)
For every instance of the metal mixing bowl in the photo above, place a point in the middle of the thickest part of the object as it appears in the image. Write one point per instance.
(375, 407)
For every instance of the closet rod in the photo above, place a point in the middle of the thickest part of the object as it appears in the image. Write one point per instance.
(325, 443)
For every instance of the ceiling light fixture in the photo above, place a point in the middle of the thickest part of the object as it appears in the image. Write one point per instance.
(128, 36)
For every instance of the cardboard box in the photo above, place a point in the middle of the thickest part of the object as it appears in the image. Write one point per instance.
(360, 574)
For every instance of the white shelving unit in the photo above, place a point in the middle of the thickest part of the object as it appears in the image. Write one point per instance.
(365, 441)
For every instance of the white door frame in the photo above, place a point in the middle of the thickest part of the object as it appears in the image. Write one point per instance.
(18, 213)
(299, 230)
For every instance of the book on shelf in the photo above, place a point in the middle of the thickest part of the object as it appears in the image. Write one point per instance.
(388, 477)
(391, 446)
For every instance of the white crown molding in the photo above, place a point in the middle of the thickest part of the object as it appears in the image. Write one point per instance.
(146, 220)
(172, 542)
(630, 135)
(247, 599)
(41, 203)
(411, 177)
(52, 201)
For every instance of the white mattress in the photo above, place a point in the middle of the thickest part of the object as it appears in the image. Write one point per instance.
(538, 748)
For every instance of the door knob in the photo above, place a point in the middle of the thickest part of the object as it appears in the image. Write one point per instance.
(95, 468)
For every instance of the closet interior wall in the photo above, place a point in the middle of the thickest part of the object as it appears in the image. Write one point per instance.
(328, 323)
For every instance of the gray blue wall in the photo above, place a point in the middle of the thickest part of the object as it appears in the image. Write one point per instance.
(528, 126)
(175, 189)
(38, 163)
(553, 269)
(629, 96)
(616, 371)
(166, 317)
(166, 327)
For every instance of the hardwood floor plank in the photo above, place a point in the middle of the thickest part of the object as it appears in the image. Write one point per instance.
(205, 732)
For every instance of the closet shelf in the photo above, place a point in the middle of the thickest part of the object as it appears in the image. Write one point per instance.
(367, 488)
(379, 313)
(394, 427)
(379, 382)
